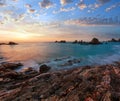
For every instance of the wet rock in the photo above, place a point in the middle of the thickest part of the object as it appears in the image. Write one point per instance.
(44, 69)
(11, 66)
(11, 75)
(28, 70)
(100, 83)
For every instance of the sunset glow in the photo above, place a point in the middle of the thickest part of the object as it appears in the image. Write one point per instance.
(50, 20)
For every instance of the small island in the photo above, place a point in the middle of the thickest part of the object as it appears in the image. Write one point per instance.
(9, 43)
(62, 41)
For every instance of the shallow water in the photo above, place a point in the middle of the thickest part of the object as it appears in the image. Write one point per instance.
(57, 55)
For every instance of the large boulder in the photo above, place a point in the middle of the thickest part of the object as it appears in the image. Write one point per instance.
(95, 41)
(44, 68)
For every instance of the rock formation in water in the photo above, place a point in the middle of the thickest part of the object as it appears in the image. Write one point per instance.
(10, 43)
(94, 41)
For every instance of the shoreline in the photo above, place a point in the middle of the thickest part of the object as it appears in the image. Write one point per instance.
(88, 83)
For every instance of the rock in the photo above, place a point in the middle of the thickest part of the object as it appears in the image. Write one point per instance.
(96, 83)
(3, 43)
(113, 40)
(62, 41)
(75, 42)
(95, 41)
(27, 70)
(1, 58)
(12, 43)
(44, 69)
(56, 41)
(11, 75)
(11, 66)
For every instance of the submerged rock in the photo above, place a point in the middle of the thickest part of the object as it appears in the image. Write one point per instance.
(44, 69)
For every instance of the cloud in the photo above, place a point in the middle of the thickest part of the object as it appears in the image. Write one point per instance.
(46, 4)
(82, 6)
(94, 6)
(62, 9)
(31, 10)
(112, 7)
(15, 0)
(28, 6)
(64, 2)
(67, 9)
(94, 21)
(2, 3)
(104, 1)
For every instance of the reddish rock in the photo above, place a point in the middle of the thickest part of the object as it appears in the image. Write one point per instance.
(100, 83)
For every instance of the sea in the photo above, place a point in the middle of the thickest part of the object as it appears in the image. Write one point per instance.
(60, 55)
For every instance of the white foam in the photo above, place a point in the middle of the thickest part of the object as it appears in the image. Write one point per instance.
(106, 59)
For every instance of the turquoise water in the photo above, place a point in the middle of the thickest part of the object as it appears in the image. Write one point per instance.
(57, 55)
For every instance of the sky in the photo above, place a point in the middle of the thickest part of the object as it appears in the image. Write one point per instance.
(50, 20)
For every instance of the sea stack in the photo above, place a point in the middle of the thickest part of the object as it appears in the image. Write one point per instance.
(12, 43)
(95, 41)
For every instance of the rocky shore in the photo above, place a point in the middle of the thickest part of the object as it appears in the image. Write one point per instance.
(99, 83)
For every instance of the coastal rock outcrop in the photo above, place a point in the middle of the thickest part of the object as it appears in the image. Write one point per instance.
(44, 68)
(12, 43)
(95, 41)
(98, 83)
(12, 66)
(62, 41)
(9, 43)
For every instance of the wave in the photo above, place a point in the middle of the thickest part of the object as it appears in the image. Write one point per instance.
(105, 58)
(73, 61)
